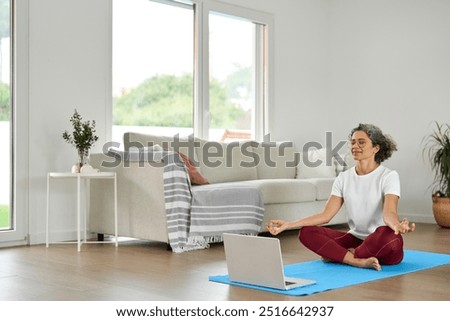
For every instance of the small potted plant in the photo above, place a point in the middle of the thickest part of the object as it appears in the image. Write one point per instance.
(83, 138)
(437, 151)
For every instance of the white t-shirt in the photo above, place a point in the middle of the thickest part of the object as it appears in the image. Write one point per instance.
(364, 197)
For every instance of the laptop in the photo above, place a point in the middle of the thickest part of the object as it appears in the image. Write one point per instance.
(257, 260)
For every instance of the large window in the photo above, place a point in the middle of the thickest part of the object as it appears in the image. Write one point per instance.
(152, 67)
(6, 221)
(232, 73)
(190, 67)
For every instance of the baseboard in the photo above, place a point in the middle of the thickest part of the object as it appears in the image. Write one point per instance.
(418, 218)
(57, 236)
(13, 243)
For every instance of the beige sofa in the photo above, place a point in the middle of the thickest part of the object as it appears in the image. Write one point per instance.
(291, 187)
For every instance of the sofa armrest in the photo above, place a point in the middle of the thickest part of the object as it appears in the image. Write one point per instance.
(140, 199)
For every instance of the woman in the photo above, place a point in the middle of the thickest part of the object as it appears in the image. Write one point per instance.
(371, 193)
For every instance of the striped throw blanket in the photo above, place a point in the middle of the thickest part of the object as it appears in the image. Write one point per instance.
(227, 207)
(199, 215)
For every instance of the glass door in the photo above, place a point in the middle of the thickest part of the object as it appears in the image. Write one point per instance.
(6, 217)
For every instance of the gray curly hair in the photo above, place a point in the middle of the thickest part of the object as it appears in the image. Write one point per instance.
(385, 142)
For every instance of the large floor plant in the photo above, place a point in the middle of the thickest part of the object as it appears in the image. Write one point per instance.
(437, 151)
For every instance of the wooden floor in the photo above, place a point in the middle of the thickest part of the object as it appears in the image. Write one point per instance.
(147, 271)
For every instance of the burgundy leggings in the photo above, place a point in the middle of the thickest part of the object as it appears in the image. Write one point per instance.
(383, 244)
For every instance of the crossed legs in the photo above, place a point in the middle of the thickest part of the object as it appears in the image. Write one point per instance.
(380, 247)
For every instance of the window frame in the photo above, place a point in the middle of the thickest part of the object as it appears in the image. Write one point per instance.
(263, 48)
(263, 60)
(18, 234)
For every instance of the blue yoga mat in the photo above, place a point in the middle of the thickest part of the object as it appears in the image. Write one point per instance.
(329, 276)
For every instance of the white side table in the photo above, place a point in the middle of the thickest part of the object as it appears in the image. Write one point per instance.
(79, 177)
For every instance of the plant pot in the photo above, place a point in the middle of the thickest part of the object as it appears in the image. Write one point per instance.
(441, 211)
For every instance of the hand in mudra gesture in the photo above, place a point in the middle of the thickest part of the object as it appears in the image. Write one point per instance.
(404, 227)
(276, 226)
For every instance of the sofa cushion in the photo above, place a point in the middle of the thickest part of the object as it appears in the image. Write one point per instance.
(276, 160)
(348, 163)
(147, 154)
(276, 191)
(323, 187)
(227, 162)
(185, 145)
(314, 164)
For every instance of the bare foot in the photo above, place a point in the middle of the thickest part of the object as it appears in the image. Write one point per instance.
(371, 262)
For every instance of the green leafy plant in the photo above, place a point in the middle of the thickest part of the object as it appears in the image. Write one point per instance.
(82, 137)
(4, 217)
(437, 150)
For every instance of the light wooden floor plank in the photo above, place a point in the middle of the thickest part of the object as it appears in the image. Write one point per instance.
(138, 270)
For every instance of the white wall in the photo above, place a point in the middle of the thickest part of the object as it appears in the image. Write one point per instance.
(342, 62)
(69, 65)
(390, 66)
(336, 63)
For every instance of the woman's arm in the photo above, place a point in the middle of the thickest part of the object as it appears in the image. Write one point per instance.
(331, 208)
(391, 218)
